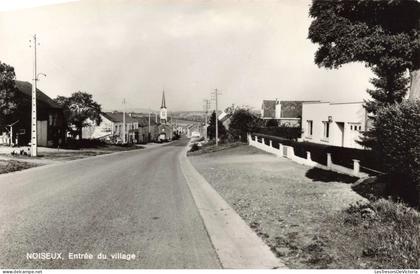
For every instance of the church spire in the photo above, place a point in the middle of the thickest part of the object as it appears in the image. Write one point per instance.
(163, 100)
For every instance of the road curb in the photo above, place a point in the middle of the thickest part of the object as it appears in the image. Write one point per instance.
(236, 245)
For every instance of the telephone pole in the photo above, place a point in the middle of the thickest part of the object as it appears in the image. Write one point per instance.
(124, 140)
(148, 137)
(215, 94)
(34, 145)
(206, 110)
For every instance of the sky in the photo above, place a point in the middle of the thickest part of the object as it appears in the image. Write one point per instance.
(114, 49)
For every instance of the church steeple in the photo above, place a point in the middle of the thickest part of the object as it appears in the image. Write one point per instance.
(163, 111)
(163, 105)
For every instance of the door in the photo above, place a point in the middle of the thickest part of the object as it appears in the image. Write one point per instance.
(42, 130)
(340, 137)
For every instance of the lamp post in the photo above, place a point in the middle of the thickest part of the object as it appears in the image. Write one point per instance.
(34, 144)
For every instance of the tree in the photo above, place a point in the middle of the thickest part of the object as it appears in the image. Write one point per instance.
(78, 108)
(242, 121)
(8, 94)
(211, 129)
(369, 31)
(397, 132)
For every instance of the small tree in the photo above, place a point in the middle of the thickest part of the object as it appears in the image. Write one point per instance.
(211, 129)
(397, 131)
(78, 108)
(390, 88)
(8, 94)
(242, 122)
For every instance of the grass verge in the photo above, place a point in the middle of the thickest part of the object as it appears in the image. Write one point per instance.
(379, 234)
(7, 166)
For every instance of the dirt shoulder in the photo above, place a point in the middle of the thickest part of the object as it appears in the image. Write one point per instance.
(286, 204)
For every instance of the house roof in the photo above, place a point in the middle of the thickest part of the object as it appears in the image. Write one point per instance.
(269, 107)
(269, 104)
(117, 117)
(144, 120)
(26, 88)
(291, 109)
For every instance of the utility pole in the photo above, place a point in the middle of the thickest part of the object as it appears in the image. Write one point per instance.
(206, 110)
(124, 140)
(215, 94)
(34, 145)
(149, 120)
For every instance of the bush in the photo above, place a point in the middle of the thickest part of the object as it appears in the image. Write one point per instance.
(83, 143)
(194, 147)
(384, 233)
(272, 123)
(397, 132)
(242, 122)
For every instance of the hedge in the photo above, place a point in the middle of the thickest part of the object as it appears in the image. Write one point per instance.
(291, 133)
(340, 155)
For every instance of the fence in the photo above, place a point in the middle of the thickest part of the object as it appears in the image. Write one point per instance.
(288, 152)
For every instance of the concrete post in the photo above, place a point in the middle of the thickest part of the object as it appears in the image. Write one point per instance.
(308, 156)
(262, 141)
(271, 143)
(356, 167)
(256, 138)
(329, 161)
(281, 149)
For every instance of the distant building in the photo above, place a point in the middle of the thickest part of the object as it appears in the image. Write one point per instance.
(225, 119)
(287, 113)
(51, 126)
(111, 128)
(337, 124)
(165, 129)
(147, 130)
(163, 110)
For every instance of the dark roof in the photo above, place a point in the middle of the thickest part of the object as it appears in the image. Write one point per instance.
(117, 117)
(292, 109)
(144, 120)
(163, 105)
(26, 89)
(269, 107)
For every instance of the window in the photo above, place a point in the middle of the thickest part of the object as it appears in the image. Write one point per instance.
(310, 127)
(326, 129)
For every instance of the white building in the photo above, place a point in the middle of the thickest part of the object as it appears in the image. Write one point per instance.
(337, 124)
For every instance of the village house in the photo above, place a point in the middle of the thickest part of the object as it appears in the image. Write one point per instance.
(337, 124)
(286, 113)
(111, 128)
(51, 126)
(147, 130)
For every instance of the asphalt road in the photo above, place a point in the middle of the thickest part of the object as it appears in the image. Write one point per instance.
(135, 202)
